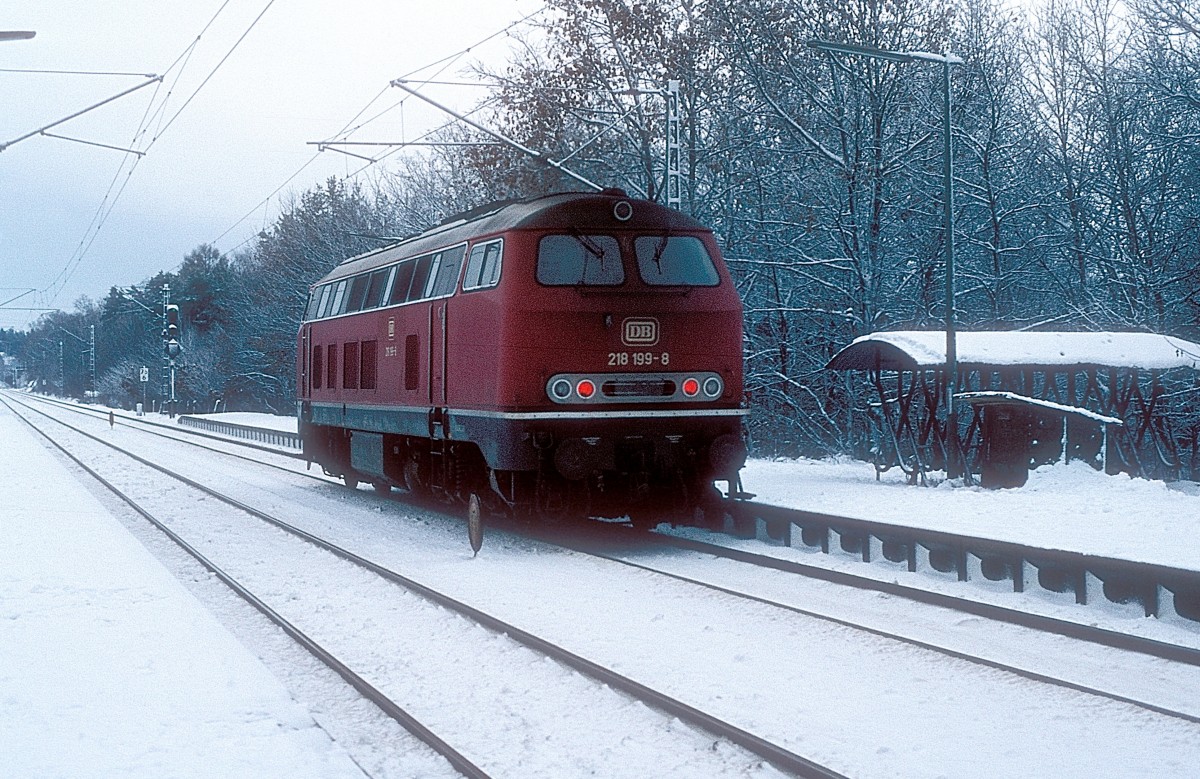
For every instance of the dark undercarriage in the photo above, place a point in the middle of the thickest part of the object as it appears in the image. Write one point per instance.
(648, 468)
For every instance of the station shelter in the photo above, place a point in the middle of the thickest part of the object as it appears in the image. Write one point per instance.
(1124, 402)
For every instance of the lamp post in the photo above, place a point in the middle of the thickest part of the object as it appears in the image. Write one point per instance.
(945, 60)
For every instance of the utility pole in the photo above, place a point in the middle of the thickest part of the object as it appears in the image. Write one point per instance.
(92, 359)
(166, 374)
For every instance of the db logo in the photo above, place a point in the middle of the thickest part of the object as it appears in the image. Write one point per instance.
(640, 332)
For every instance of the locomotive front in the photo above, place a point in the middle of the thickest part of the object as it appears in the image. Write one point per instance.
(618, 362)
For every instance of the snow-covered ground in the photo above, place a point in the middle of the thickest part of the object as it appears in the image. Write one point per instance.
(108, 667)
(865, 703)
(1071, 507)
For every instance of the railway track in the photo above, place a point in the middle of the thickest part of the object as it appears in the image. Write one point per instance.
(618, 536)
(322, 654)
(148, 424)
(889, 548)
(601, 676)
(627, 546)
(1081, 631)
(643, 548)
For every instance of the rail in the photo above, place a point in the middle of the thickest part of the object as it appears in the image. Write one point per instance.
(1160, 590)
(261, 434)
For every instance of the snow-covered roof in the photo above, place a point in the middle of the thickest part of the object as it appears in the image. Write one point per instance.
(989, 398)
(912, 349)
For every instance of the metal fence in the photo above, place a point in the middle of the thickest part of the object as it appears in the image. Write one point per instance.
(261, 434)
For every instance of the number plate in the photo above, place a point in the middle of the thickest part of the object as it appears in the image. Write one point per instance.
(638, 359)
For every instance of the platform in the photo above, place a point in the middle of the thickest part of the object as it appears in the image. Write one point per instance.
(108, 666)
(1070, 507)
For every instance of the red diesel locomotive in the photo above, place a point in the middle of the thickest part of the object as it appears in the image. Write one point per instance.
(573, 353)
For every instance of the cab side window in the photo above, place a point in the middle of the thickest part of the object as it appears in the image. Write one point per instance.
(447, 272)
(483, 266)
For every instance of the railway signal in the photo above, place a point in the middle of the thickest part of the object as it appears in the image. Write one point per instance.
(171, 332)
(171, 347)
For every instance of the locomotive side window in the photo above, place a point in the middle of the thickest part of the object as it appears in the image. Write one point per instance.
(377, 289)
(420, 277)
(339, 299)
(314, 303)
(680, 261)
(431, 282)
(483, 268)
(331, 368)
(447, 272)
(350, 365)
(326, 299)
(367, 368)
(572, 260)
(404, 277)
(358, 293)
(318, 366)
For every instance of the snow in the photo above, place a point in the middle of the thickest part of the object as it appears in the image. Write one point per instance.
(1072, 507)
(987, 398)
(249, 419)
(866, 705)
(927, 349)
(108, 667)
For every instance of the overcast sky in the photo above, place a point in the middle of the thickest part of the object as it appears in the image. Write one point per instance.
(302, 73)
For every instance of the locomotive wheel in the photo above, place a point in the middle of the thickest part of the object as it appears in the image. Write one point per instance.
(475, 523)
(350, 480)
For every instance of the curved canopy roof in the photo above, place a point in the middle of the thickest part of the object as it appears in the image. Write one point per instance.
(906, 350)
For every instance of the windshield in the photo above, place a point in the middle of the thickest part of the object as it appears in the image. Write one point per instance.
(675, 260)
(571, 260)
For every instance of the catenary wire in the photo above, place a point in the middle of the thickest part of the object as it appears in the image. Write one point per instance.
(102, 213)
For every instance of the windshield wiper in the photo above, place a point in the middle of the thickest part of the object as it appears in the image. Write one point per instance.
(592, 248)
(659, 248)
